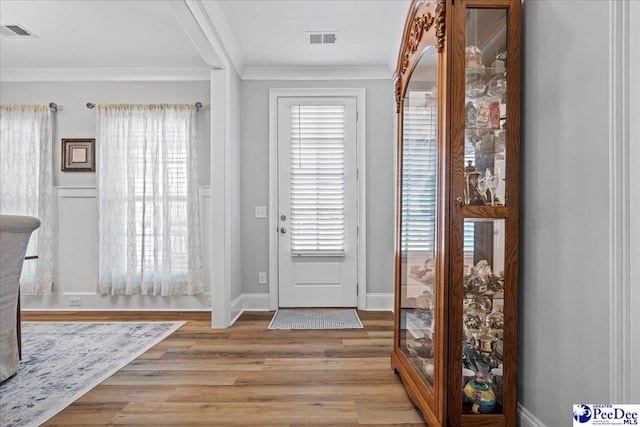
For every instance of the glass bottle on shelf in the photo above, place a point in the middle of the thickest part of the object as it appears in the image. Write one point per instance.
(473, 191)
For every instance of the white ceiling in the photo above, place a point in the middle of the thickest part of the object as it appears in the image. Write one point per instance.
(153, 34)
(274, 33)
(95, 34)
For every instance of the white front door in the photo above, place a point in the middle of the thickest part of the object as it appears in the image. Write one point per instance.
(317, 202)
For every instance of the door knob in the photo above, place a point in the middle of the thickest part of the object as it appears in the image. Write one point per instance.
(283, 230)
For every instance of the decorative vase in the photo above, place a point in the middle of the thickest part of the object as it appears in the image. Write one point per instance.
(480, 395)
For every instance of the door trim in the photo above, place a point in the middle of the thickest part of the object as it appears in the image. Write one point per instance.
(274, 95)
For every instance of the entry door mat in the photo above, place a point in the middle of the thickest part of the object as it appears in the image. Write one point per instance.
(61, 361)
(316, 318)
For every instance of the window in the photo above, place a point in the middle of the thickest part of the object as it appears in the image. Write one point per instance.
(26, 185)
(419, 179)
(164, 187)
(317, 168)
(148, 201)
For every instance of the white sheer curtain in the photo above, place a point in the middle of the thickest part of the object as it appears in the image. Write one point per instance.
(26, 185)
(148, 210)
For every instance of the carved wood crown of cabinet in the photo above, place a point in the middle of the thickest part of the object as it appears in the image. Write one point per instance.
(425, 17)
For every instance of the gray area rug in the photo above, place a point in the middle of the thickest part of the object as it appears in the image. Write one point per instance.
(315, 318)
(61, 361)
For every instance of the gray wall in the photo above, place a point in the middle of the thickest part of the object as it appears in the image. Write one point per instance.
(380, 148)
(564, 297)
(75, 264)
(77, 121)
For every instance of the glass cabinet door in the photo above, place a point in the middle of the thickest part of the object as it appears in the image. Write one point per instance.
(481, 281)
(483, 316)
(485, 107)
(418, 218)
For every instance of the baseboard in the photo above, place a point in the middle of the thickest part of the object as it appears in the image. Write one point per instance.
(248, 302)
(92, 301)
(527, 419)
(379, 302)
(260, 302)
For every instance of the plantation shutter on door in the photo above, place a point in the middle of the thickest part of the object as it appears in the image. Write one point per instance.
(418, 176)
(418, 189)
(317, 175)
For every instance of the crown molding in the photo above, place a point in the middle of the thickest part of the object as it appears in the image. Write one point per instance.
(102, 74)
(317, 73)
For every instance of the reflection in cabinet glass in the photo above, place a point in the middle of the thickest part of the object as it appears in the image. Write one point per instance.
(458, 98)
(418, 227)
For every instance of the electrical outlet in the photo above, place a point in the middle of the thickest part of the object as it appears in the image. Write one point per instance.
(262, 278)
(74, 302)
(261, 212)
(209, 302)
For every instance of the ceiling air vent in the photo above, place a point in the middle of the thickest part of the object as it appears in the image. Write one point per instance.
(15, 31)
(322, 37)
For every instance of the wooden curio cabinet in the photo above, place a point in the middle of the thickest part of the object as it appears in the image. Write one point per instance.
(456, 291)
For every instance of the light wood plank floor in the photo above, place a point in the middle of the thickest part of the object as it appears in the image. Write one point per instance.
(247, 375)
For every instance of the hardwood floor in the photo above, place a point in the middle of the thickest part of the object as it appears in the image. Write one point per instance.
(248, 375)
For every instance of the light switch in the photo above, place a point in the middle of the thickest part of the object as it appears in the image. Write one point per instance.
(261, 211)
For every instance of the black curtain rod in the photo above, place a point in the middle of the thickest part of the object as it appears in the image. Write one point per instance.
(54, 107)
(91, 105)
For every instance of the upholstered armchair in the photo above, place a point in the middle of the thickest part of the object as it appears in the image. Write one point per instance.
(15, 232)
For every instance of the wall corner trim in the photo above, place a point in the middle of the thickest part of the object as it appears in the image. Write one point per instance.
(619, 205)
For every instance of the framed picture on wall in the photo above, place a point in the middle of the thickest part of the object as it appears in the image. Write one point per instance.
(78, 155)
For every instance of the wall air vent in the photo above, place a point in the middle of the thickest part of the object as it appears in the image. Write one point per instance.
(16, 31)
(315, 38)
(322, 37)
